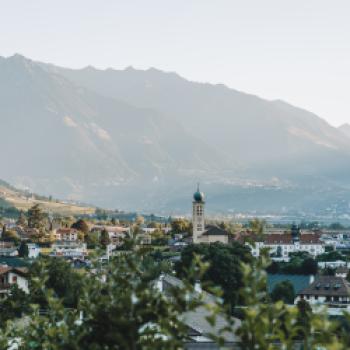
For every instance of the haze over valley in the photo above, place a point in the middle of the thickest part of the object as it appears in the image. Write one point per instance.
(140, 140)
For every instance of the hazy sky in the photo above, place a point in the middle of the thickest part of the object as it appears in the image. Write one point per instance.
(295, 50)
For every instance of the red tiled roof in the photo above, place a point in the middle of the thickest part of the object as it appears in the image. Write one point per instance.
(285, 238)
(310, 238)
(277, 238)
(4, 269)
(66, 230)
(19, 270)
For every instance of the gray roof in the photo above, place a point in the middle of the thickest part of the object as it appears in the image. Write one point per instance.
(212, 230)
(328, 286)
(196, 320)
(342, 269)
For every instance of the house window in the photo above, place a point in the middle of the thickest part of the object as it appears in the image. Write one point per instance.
(14, 279)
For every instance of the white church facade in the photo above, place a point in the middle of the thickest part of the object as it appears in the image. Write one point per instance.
(201, 232)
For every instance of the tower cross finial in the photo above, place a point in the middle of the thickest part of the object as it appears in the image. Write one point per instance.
(198, 186)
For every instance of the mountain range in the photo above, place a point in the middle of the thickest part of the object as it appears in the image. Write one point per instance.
(141, 139)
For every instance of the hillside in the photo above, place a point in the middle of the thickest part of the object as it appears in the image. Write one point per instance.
(9, 196)
(245, 127)
(79, 144)
(140, 140)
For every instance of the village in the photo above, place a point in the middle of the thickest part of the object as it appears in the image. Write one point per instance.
(314, 262)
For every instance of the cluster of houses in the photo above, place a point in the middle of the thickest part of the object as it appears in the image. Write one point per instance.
(67, 243)
(281, 244)
(318, 291)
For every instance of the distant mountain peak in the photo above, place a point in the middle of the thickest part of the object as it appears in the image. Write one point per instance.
(17, 57)
(89, 68)
(344, 126)
(108, 133)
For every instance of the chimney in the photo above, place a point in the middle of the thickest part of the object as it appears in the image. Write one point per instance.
(197, 286)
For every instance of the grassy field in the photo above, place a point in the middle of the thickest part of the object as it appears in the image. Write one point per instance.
(16, 199)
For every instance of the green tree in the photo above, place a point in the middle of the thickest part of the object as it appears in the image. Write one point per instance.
(277, 326)
(92, 240)
(82, 226)
(127, 311)
(331, 256)
(257, 226)
(23, 250)
(304, 318)
(283, 291)
(13, 306)
(309, 267)
(65, 283)
(10, 235)
(224, 266)
(328, 271)
(154, 224)
(104, 238)
(180, 226)
(113, 221)
(336, 226)
(300, 263)
(101, 214)
(22, 220)
(140, 220)
(36, 217)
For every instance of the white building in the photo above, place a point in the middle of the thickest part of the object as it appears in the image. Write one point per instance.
(33, 250)
(116, 234)
(330, 291)
(341, 271)
(202, 233)
(8, 249)
(69, 250)
(13, 275)
(333, 264)
(67, 234)
(281, 245)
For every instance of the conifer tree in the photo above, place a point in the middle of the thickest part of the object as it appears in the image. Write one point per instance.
(36, 217)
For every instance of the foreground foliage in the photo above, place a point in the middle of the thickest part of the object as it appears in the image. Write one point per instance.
(224, 266)
(119, 306)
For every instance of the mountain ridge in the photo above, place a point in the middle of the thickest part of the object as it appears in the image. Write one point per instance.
(130, 137)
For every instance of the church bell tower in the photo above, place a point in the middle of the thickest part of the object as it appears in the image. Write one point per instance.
(198, 215)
